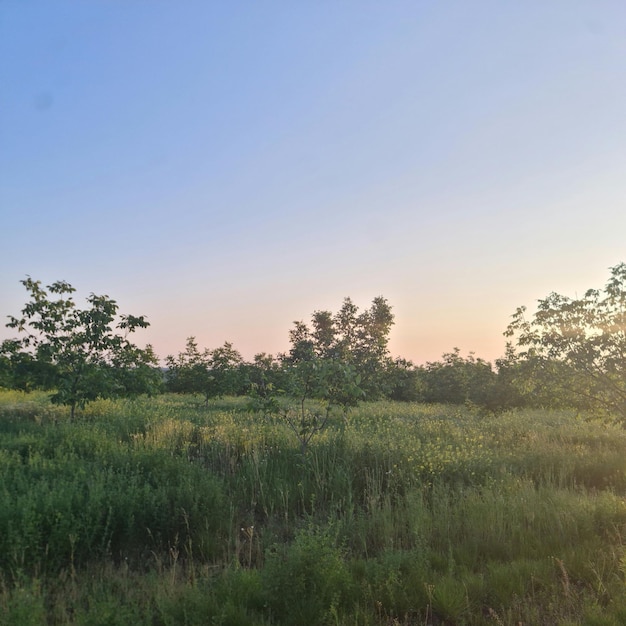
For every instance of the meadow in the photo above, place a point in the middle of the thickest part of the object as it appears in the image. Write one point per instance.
(166, 512)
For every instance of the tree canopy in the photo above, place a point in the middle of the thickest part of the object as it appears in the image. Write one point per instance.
(85, 353)
(569, 352)
(210, 373)
(350, 337)
(579, 344)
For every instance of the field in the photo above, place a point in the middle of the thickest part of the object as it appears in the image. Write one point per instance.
(164, 512)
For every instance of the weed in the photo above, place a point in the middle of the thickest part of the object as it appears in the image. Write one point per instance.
(161, 511)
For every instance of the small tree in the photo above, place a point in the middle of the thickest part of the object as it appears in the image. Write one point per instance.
(211, 373)
(457, 380)
(21, 370)
(332, 383)
(263, 375)
(89, 358)
(579, 344)
(189, 371)
(265, 381)
(225, 366)
(349, 337)
(404, 381)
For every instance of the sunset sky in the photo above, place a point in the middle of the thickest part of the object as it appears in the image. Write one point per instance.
(226, 168)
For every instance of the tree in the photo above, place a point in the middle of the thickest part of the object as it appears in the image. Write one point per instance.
(263, 374)
(21, 370)
(225, 367)
(579, 344)
(370, 353)
(356, 339)
(316, 387)
(136, 369)
(337, 361)
(520, 382)
(457, 380)
(211, 373)
(264, 380)
(404, 381)
(89, 358)
(189, 371)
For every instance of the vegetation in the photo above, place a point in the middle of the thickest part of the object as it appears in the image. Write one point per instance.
(570, 354)
(163, 511)
(301, 494)
(76, 352)
(210, 373)
(578, 345)
(349, 337)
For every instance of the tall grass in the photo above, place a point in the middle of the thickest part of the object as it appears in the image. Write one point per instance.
(164, 511)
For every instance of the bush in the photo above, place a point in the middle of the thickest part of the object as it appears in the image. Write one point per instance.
(307, 582)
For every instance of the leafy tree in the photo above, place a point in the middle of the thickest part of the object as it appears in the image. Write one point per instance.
(317, 376)
(404, 381)
(21, 370)
(266, 381)
(332, 383)
(211, 373)
(189, 371)
(578, 345)
(136, 371)
(509, 389)
(457, 380)
(225, 367)
(6, 365)
(359, 340)
(520, 382)
(371, 353)
(81, 347)
(338, 360)
(263, 375)
(346, 324)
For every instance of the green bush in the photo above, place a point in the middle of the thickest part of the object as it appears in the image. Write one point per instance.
(23, 607)
(306, 582)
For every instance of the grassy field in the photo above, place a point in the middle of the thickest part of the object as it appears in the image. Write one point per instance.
(166, 512)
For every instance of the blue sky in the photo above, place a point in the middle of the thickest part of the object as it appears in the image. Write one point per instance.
(226, 168)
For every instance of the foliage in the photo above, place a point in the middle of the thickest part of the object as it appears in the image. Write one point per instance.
(226, 365)
(457, 380)
(210, 373)
(159, 511)
(189, 371)
(307, 581)
(22, 370)
(349, 337)
(578, 345)
(313, 389)
(334, 383)
(81, 354)
(325, 364)
(403, 381)
(264, 376)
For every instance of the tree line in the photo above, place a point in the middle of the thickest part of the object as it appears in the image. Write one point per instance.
(569, 352)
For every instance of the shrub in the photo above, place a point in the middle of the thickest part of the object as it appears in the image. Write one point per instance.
(307, 582)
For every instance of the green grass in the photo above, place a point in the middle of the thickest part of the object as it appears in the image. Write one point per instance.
(163, 511)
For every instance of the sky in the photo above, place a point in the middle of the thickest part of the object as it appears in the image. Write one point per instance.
(227, 168)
